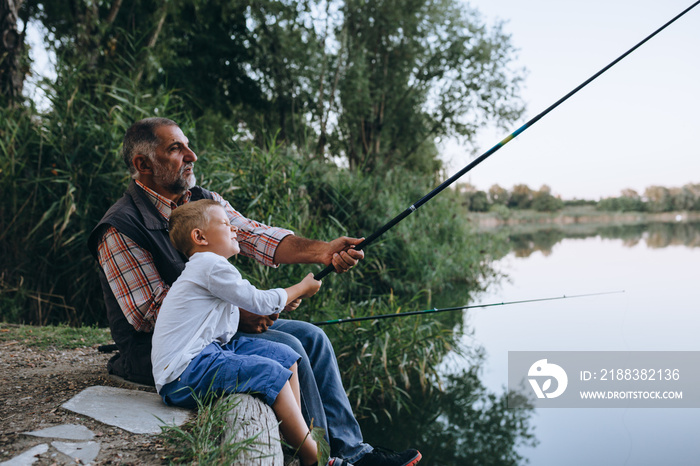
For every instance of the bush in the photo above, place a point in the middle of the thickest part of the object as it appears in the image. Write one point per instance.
(622, 204)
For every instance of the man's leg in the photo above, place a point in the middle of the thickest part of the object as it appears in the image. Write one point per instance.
(311, 404)
(343, 429)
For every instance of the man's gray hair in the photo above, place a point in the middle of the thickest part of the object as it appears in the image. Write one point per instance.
(141, 138)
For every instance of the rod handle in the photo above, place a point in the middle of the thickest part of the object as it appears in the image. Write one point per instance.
(330, 267)
(324, 272)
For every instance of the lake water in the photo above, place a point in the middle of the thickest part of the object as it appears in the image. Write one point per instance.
(657, 267)
(658, 311)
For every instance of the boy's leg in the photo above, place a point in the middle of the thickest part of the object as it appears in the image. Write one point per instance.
(293, 425)
(294, 383)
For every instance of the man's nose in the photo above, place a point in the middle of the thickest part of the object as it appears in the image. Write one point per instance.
(234, 228)
(189, 155)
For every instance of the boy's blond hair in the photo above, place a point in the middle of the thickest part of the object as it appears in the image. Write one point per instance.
(186, 218)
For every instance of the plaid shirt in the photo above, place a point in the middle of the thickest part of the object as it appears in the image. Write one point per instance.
(131, 271)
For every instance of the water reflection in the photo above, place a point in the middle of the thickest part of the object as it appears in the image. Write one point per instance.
(459, 423)
(525, 241)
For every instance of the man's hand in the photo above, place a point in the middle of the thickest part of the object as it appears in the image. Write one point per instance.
(342, 255)
(254, 323)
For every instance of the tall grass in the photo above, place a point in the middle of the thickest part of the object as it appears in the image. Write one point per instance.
(199, 441)
(59, 172)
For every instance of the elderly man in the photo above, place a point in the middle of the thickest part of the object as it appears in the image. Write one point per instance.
(139, 264)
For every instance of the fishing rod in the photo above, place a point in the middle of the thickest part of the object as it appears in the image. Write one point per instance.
(457, 308)
(505, 141)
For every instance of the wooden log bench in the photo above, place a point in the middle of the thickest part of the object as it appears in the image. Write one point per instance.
(251, 418)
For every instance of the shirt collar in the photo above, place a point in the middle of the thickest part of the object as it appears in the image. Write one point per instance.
(164, 205)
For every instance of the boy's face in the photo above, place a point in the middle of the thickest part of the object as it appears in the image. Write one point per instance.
(220, 234)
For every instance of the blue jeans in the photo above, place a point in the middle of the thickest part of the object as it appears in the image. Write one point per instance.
(323, 397)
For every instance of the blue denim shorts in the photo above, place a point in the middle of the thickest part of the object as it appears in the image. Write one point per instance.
(246, 365)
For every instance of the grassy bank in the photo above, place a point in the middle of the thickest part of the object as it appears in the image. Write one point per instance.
(57, 337)
(580, 215)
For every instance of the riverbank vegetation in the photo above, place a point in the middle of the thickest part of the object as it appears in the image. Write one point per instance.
(655, 199)
(321, 117)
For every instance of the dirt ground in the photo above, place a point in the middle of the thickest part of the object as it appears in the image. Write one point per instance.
(34, 383)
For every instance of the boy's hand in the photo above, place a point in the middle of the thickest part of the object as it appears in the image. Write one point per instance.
(293, 305)
(310, 286)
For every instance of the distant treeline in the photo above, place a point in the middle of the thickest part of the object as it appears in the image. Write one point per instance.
(654, 199)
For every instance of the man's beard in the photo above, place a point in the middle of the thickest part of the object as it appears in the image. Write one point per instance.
(175, 182)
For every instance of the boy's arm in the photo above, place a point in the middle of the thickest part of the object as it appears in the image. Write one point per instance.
(225, 282)
(304, 289)
(255, 323)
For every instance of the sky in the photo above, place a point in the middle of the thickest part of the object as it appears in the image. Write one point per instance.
(633, 127)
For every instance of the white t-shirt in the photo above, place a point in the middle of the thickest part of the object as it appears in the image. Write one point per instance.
(202, 307)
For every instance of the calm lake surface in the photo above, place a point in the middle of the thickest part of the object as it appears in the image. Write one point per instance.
(658, 268)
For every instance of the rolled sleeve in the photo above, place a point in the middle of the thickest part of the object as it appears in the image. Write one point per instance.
(257, 240)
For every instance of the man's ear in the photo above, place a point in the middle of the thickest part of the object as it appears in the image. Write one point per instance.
(198, 237)
(142, 164)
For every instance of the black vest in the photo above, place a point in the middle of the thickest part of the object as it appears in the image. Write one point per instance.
(135, 216)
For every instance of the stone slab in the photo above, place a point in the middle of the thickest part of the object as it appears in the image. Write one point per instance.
(132, 410)
(65, 431)
(28, 457)
(86, 452)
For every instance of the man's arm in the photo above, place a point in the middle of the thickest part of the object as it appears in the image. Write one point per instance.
(133, 278)
(340, 252)
(272, 246)
(257, 240)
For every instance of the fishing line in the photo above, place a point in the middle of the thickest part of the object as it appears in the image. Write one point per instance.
(457, 308)
(505, 141)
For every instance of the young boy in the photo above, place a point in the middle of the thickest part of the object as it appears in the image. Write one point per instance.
(191, 349)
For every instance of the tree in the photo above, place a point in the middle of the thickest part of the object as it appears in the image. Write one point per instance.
(543, 201)
(520, 197)
(630, 193)
(682, 198)
(13, 62)
(378, 83)
(255, 62)
(99, 37)
(498, 195)
(414, 71)
(238, 60)
(658, 198)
